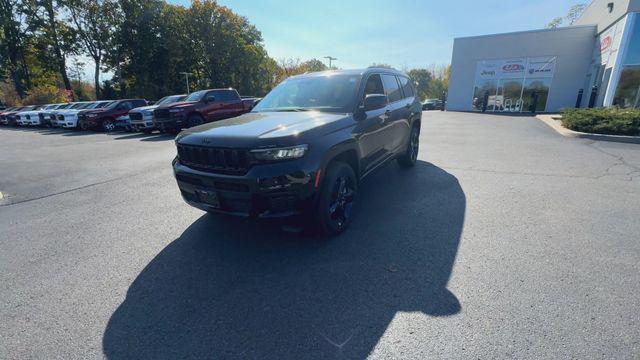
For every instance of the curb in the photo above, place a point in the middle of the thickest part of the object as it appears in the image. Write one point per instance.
(557, 126)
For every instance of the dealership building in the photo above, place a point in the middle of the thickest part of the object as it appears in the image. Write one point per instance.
(595, 62)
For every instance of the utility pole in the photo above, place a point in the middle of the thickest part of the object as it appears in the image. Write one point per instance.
(330, 60)
(186, 75)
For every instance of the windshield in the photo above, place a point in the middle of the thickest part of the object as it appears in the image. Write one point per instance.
(196, 96)
(331, 93)
(170, 99)
(78, 106)
(99, 105)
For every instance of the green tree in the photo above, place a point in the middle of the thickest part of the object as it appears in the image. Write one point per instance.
(422, 79)
(313, 65)
(60, 39)
(94, 22)
(13, 43)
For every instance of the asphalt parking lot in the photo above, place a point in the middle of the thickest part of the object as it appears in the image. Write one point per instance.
(506, 241)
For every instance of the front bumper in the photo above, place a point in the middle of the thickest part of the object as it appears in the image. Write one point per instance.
(69, 123)
(279, 190)
(145, 124)
(176, 121)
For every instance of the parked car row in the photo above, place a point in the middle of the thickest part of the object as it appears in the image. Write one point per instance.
(169, 114)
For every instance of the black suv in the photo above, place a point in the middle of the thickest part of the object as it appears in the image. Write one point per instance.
(303, 149)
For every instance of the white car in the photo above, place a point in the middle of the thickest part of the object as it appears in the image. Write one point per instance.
(23, 118)
(35, 117)
(141, 119)
(51, 117)
(66, 116)
(69, 118)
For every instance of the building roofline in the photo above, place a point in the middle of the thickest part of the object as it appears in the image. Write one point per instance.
(528, 31)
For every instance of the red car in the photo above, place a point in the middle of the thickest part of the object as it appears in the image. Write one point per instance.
(201, 107)
(105, 119)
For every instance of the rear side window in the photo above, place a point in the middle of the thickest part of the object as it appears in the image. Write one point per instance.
(391, 87)
(225, 95)
(407, 89)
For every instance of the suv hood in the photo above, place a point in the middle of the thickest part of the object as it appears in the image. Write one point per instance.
(93, 111)
(260, 129)
(69, 111)
(178, 104)
(145, 108)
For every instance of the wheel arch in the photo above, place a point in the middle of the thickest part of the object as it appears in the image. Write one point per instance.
(347, 153)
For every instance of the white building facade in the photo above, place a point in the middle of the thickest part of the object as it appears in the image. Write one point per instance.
(595, 63)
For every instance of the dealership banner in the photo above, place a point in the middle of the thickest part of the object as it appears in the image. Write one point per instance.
(516, 68)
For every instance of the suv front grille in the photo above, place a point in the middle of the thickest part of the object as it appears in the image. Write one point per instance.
(135, 116)
(60, 117)
(162, 114)
(215, 160)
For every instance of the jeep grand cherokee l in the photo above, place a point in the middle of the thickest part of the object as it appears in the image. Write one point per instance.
(201, 107)
(304, 149)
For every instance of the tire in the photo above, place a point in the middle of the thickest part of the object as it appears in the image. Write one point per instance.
(409, 158)
(195, 120)
(83, 126)
(108, 125)
(337, 199)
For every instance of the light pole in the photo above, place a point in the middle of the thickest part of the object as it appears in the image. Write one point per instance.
(186, 75)
(330, 59)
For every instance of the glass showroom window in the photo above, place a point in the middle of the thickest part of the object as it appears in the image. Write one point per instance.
(628, 91)
(485, 88)
(536, 90)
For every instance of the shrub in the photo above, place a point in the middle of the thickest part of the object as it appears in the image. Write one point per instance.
(48, 94)
(612, 121)
(9, 95)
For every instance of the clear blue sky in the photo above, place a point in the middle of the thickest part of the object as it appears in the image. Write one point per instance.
(403, 33)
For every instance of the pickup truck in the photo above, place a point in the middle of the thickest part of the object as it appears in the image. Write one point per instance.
(303, 150)
(201, 107)
(105, 118)
(142, 118)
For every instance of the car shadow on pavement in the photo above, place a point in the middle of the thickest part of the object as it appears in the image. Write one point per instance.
(231, 288)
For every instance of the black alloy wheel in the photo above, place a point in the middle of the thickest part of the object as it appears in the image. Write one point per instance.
(413, 148)
(108, 125)
(337, 199)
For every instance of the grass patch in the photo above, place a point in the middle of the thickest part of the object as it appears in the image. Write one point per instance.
(610, 121)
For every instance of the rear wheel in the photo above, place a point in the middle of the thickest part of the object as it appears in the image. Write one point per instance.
(335, 208)
(409, 158)
(108, 125)
(195, 120)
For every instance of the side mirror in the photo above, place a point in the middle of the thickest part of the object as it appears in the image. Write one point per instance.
(374, 102)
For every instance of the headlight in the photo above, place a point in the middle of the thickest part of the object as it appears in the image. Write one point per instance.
(176, 110)
(293, 152)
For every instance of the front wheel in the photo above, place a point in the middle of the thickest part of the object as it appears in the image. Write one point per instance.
(108, 125)
(409, 158)
(335, 207)
(195, 120)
